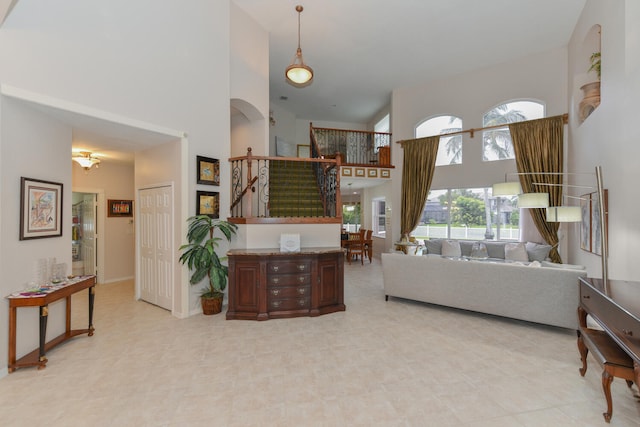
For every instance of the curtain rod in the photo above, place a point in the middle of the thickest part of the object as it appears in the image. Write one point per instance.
(565, 119)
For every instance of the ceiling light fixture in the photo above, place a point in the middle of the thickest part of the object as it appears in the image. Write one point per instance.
(299, 74)
(86, 160)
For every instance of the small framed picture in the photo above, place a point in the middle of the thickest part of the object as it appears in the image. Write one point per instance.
(208, 170)
(372, 173)
(385, 173)
(208, 203)
(119, 208)
(360, 172)
(347, 172)
(40, 209)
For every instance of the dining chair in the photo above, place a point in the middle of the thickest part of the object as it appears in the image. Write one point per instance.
(356, 246)
(368, 244)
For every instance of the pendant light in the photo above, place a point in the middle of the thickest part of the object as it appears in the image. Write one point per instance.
(86, 159)
(299, 74)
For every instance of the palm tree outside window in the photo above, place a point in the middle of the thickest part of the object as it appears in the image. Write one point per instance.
(496, 143)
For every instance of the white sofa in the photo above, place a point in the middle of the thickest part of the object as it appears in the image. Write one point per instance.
(547, 295)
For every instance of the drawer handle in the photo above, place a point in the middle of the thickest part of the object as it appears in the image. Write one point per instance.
(302, 267)
(302, 302)
(275, 304)
(628, 332)
(275, 292)
(301, 291)
(275, 268)
(275, 280)
(301, 279)
(586, 296)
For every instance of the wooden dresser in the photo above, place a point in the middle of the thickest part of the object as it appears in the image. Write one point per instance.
(267, 284)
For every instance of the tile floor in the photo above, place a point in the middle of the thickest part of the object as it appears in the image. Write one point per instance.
(395, 363)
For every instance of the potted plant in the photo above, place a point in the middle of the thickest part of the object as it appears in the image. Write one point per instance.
(201, 258)
(595, 63)
(591, 91)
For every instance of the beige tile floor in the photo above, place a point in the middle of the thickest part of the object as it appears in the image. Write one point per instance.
(395, 363)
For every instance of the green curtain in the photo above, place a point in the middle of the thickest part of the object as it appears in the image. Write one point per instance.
(417, 174)
(538, 147)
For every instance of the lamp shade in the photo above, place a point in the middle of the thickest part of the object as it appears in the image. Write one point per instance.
(533, 200)
(506, 189)
(564, 214)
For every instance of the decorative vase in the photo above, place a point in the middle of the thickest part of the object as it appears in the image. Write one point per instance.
(590, 100)
(211, 305)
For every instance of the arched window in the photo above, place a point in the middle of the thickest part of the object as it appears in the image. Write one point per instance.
(496, 143)
(450, 147)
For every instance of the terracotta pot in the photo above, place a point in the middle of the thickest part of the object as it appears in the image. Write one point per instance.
(211, 305)
(590, 101)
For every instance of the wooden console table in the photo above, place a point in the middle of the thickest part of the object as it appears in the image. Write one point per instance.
(616, 308)
(266, 283)
(42, 299)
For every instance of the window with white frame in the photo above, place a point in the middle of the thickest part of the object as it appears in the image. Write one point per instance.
(450, 147)
(496, 143)
(468, 213)
(378, 217)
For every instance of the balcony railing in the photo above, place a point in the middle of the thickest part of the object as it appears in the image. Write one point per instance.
(260, 194)
(356, 147)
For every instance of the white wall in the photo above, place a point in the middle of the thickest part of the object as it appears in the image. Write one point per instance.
(609, 137)
(542, 77)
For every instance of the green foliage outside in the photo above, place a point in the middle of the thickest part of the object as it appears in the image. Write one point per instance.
(351, 216)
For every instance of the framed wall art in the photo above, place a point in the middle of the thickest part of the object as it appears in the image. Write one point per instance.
(208, 170)
(40, 209)
(372, 173)
(591, 228)
(208, 203)
(119, 208)
(346, 171)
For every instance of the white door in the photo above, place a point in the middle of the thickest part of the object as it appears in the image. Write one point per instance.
(156, 245)
(89, 234)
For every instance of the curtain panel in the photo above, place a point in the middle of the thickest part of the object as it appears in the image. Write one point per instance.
(538, 147)
(417, 173)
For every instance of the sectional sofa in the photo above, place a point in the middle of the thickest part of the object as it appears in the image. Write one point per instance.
(532, 290)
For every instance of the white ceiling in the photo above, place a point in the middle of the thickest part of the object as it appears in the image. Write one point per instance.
(360, 50)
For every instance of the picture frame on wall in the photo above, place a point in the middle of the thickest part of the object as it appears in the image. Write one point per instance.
(585, 225)
(40, 209)
(208, 170)
(119, 208)
(208, 203)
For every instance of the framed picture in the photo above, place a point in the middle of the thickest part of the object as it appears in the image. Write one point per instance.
(40, 209)
(208, 203)
(304, 150)
(385, 173)
(116, 208)
(360, 172)
(208, 170)
(347, 172)
(585, 225)
(590, 227)
(372, 173)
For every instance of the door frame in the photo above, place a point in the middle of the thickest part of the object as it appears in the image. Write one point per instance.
(100, 219)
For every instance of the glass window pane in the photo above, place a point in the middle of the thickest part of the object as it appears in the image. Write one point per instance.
(450, 148)
(496, 143)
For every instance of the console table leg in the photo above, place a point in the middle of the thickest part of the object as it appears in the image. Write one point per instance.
(44, 314)
(583, 354)
(606, 387)
(92, 294)
(12, 338)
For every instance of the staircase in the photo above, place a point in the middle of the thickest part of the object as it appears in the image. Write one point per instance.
(293, 190)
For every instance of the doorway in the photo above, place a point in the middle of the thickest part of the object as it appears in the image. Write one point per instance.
(84, 235)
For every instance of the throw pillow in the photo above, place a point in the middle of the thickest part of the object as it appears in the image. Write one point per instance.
(516, 252)
(451, 248)
(434, 246)
(537, 251)
(479, 250)
(466, 246)
(495, 249)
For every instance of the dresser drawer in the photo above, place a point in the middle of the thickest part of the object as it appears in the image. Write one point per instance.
(283, 304)
(288, 280)
(289, 292)
(289, 267)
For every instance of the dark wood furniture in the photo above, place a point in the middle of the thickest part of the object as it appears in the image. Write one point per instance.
(266, 283)
(42, 300)
(616, 308)
(347, 243)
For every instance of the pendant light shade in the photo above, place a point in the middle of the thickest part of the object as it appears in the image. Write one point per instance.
(506, 189)
(86, 160)
(533, 200)
(564, 214)
(299, 74)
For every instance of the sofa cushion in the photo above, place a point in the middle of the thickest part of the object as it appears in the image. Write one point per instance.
(451, 248)
(516, 252)
(479, 250)
(466, 246)
(495, 249)
(537, 251)
(563, 266)
(434, 246)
